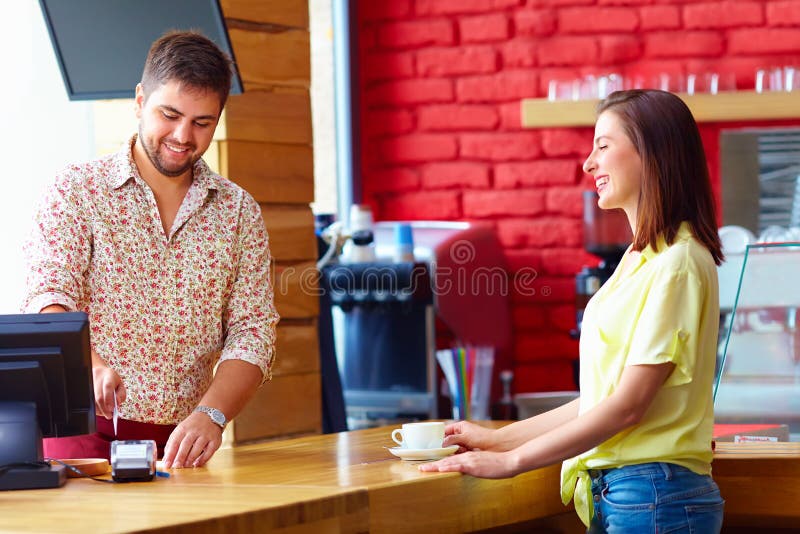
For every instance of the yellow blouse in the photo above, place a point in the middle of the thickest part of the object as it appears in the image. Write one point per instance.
(665, 309)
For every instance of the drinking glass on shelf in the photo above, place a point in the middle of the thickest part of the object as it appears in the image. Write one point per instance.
(563, 90)
(608, 84)
(588, 87)
(769, 80)
(791, 78)
(637, 81)
(706, 82)
(673, 82)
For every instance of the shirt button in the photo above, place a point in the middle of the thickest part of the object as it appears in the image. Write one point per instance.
(597, 498)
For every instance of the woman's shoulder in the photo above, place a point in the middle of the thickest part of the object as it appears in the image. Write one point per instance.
(686, 256)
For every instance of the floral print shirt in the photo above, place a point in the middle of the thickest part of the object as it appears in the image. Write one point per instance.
(163, 309)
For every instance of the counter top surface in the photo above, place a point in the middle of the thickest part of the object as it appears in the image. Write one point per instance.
(345, 482)
(349, 482)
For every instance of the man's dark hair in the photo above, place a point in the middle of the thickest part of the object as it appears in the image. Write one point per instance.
(189, 58)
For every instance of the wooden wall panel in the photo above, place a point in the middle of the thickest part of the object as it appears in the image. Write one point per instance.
(297, 349)
(293, 13)
(275, 173)
(297, 290)
(285, 405)
(291, 232)
(277, 116)
(264, 144)
(259, 68)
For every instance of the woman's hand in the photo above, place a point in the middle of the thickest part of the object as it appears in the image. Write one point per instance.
(468, 436)
(483, 464)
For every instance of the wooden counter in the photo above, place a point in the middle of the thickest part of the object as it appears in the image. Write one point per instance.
(760, 483)
(333, 483)
(349, 483)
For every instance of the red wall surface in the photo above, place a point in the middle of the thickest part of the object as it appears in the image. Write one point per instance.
(441, 84)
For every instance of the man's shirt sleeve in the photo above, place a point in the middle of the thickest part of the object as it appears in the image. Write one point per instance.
(58, 249)
(250, 317)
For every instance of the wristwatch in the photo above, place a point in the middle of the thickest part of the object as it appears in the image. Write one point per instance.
(216, 416)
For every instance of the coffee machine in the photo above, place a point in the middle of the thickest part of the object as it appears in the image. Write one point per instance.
(606, 234)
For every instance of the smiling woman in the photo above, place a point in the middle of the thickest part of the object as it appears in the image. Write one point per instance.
(641, 428)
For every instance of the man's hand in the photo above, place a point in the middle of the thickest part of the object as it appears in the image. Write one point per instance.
(106, 383)
(481, 464)
(193, 442)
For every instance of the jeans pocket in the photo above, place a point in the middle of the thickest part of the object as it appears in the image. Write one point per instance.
(627, 505)
(630, 493)
(705, 518)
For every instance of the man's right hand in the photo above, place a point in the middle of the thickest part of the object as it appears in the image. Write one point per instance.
(106, 383)
(106, 380)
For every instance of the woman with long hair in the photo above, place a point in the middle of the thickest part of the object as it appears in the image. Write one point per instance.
(636, 444)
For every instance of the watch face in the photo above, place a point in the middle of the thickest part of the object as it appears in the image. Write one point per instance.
(218, 417)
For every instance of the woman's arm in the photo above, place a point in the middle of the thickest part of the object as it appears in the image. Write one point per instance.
(516, 434)
(624, 408)
(470, 436)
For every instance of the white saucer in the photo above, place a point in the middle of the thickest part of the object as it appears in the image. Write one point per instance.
(423, 454)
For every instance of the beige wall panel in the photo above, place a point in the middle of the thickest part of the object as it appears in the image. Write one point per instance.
(279, 174)
(291, 232)
(278, 116)
(272, 58)
(297, 290)
(114, 123)
(290, 404)
(284, 12)
(297, 350)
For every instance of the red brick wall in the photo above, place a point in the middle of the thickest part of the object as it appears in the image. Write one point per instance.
(441, 87)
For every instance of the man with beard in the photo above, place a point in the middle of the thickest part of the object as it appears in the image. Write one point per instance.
(171, 263)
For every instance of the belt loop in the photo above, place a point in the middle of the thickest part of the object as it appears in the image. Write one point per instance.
(667, 470)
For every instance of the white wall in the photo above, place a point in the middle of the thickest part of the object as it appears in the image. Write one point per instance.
(322, 106)
(41, 131)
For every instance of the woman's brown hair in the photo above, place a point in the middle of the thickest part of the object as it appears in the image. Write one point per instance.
(675, 182)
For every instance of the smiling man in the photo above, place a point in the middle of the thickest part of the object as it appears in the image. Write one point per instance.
(170, 261)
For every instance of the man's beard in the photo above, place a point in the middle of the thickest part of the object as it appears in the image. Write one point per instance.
(155, 158)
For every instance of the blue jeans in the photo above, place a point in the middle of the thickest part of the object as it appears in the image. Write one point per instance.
(654, 498)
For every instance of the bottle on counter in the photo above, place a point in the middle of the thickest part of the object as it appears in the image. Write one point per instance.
(505, 409)
(362, 249)
(403, 243)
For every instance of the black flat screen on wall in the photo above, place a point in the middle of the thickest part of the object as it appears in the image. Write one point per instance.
(101, 45)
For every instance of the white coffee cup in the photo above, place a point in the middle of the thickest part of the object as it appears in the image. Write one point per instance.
(427, 435)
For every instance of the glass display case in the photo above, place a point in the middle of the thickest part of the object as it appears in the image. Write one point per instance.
(757, 392)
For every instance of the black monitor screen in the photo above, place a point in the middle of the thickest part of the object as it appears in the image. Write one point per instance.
(45, 359)
(101, 45)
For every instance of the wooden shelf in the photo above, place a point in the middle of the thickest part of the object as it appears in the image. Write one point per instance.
(722, 107)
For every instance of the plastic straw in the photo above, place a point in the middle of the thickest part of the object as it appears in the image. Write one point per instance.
(468, 371)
